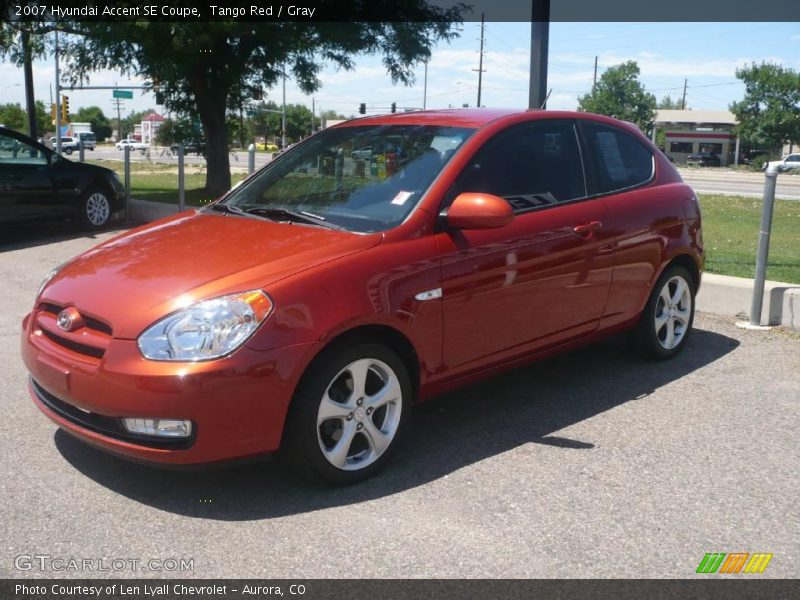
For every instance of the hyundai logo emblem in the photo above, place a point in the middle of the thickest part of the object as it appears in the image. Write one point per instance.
(68, 319)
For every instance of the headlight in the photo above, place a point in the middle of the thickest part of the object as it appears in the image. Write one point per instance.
(206, 330)
(46, 280)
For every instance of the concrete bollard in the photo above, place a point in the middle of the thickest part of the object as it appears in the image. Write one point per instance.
(127, 154)
(251, 159)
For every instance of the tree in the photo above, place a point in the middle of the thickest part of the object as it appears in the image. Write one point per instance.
(43, 120)
(667, 103)
(22, 42)
(101, 126)
(175, 131)
(13, 116)
(620, 94)
(214, 68)
(769, 114)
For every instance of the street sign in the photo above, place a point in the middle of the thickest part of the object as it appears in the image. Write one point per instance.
(123, 94)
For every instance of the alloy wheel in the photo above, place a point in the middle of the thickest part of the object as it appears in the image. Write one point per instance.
(673, 312)
(97, 209)
(359, 414)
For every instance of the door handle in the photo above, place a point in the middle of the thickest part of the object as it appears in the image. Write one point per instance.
(588, 227)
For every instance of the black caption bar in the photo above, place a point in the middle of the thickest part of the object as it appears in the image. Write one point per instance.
(391, 10)
(372, 589)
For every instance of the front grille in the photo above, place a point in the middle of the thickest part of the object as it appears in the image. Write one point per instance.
(107, 426)
(90, 340)
(91, 323)
(74, 346)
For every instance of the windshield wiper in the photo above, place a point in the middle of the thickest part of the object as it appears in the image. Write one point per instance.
(299, 216)
(227, 208)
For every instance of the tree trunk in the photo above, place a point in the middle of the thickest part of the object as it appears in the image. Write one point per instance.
(211, 101)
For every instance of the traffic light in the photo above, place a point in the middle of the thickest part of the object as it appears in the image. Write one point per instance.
(64, 109)
(394, 107)
(362, 108)
(160, 98)
(53, 112)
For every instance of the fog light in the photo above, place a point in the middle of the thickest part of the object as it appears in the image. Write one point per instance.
(159, 427)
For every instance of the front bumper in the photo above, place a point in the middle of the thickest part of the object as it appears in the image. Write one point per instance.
(237, 405)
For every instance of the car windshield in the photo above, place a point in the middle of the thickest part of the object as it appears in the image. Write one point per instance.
(360, 178)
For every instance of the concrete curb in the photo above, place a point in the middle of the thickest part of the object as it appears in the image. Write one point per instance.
(719, 294)
(732, 296)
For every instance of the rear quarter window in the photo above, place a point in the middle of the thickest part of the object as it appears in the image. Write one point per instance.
(617, 159)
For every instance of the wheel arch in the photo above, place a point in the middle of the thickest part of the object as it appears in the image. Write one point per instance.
(686, 261)
(381, 334)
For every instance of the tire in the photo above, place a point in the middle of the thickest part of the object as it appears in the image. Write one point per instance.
(325, 410)
(666, 322)
(67, 151)
(95, 209)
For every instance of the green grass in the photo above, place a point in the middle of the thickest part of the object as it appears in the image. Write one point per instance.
(730, 231)
(159, 182)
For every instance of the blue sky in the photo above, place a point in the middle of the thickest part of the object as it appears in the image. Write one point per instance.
(705, 53)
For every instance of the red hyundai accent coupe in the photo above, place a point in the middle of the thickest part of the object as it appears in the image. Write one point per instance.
(374, 265)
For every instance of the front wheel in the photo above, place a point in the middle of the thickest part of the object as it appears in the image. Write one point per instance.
(666, 321)
(67, 151)
(95, 209)
(349, 413)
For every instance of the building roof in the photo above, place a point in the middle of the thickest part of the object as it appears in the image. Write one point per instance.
(153, 116)
(696, 117)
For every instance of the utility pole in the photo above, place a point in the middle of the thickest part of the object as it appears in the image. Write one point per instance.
(425, 88)
(683, 102)
(118, 106)
(313, 113)
(30, 102)
(480, 62)
(594, 81)
(58, 101)
(540, 37)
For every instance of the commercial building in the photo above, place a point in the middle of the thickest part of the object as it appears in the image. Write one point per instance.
(692, 131)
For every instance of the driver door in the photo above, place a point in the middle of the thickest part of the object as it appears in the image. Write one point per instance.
(26, 183)
(543, 279)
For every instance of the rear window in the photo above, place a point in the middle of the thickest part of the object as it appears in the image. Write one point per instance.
(618, 160)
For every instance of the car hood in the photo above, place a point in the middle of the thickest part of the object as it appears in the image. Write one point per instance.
(133, 280)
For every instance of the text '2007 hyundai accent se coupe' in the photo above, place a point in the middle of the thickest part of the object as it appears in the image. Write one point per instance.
(310, 307)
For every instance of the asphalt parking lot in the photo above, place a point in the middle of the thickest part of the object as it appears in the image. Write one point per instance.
(592, 464)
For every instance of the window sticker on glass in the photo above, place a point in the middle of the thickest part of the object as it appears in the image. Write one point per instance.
(612, 156)
(401, 198)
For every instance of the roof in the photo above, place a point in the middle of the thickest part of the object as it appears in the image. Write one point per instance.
(153, 116)
(696, 117)
(457, 117)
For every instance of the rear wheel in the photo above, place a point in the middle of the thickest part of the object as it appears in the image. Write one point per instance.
(666, 321)
(67, 151)
(349, 413)
(95, 209)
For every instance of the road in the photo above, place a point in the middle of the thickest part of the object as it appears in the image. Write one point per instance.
(592, 464)
(739, 183)
(238, 158)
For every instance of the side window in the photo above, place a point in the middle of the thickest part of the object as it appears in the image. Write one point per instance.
(14, 151)
(618, 160)
(530, 165)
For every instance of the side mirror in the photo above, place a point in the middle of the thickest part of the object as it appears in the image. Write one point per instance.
(478, 211)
